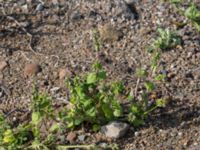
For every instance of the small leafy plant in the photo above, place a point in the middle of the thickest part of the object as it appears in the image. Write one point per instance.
(193, 14)
(93, 99)
(166, 40)
(140, 109)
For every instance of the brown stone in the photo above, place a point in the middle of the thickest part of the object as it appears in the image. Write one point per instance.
(63, 73)
(71, 137)
(3, 65)
(31, 69)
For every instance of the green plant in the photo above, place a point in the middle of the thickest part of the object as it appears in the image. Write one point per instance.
(166, 40)
(96, 40)
(13, 138)
(193, 14)
(140, 109)
(93, 99)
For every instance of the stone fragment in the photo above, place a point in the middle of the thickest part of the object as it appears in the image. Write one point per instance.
(115, 129)
(3, 65)
(40, 7)
(31, 69)
(81, 138)
(63, 73)
(71, 137)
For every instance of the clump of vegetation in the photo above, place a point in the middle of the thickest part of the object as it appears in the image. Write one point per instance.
(166, 40)
(93, 100)
(193, 14)
(96, 101)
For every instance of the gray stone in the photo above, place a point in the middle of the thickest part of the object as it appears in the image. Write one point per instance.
(81, 138)
(115, 129)
(40, 7)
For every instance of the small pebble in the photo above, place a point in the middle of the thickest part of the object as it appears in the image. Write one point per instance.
(3, 65)
(63, 73)
(71, 137)
(31, 69)
(81, 138)
(40, 7)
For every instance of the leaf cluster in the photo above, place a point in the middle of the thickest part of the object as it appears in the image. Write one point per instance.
(93, 99)
(193, 14)
(166, 40)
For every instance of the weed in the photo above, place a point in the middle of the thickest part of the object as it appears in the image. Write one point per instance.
(193, 14)
(166, 40)
(92, 99)
(96, 40)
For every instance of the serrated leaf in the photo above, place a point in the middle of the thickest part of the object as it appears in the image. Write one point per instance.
(92, 78)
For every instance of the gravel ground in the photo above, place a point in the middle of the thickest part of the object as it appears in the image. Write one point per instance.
(57, 37)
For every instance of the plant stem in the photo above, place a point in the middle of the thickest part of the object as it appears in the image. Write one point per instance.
(75, 146)
(150, 110)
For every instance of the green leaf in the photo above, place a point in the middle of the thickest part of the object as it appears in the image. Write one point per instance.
(117, 112)
(160, 77)
(141, 73)
(80, 91)
(97, 66)
(36, 118)
(92, 78)
(8, 136)
(96, 127)
(107, 111)
(78, 121)
(101, 75)
(149, 86)
(86, 103)
(160, 103)
(55, 127)
(91, 112)
(134, 109)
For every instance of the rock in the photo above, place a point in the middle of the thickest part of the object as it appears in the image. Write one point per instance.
(40, 7)
(55, 90)
(76, 16)
(115, 129)
(108, 33)
(55, 2)
(71, 137)
(63, 73)
(21, 2)
(25, 8)
(31, 69)
(103, 145)
(81, 138)
(3, 65)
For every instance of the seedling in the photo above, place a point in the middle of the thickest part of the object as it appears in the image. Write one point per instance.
(96, 40)
(166, 40)
(193, 14)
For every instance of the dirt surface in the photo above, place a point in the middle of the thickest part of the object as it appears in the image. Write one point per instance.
(58, 38)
